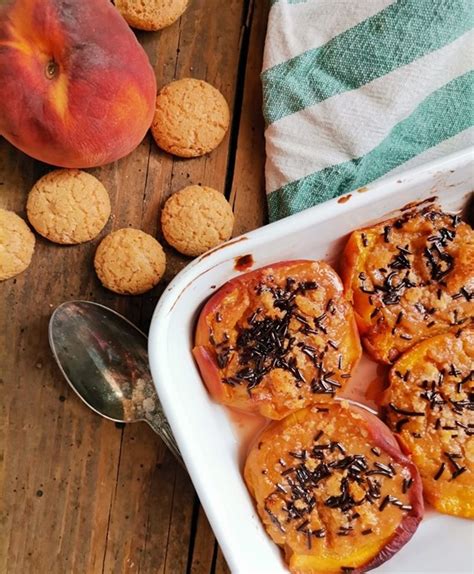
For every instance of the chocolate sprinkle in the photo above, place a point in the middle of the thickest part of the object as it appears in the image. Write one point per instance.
(318, 435)
(275, 520)
(439, 262)
(440, 471)
(458, 472)
(302, 526)
(407, 482)
(375, 312)
(385, 502)
(389, 499)
(299, 483)
(401, 423)
(404, 412)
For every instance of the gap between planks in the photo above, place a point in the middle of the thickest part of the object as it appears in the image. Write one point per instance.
(248, 9)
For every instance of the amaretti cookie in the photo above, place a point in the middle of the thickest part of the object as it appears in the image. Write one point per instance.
(129, 261)
(17, 244)
(68, 206)
(196, 219)
(191, 118)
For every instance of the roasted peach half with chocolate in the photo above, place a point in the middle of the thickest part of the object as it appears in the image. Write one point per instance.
(333, 489)
(277, 339)
(430, 404)
(410, 278)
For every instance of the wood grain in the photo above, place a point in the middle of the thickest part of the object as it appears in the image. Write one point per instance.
(247, 189)
(80, 494)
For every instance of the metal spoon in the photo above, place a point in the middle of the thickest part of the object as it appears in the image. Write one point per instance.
(105, 360)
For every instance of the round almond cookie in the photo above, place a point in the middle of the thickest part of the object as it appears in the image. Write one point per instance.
(191, 118)
(17, 244)
(151, 15)
(197, 219)
(129, 261)
(68, 206)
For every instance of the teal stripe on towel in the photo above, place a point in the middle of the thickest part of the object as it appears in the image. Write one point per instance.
(363, 53)
(443, 114)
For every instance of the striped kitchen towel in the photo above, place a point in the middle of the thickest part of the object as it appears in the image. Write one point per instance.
(355, 90)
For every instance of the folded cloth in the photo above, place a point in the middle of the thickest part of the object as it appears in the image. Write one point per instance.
(355, 90)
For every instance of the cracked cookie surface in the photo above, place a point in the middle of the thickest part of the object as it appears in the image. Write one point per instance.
(151, 15)
(197, 219)
(17, 244)
(129, 261)
(191, 118)
(68, 206)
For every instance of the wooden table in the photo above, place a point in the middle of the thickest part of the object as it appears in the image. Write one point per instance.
(79, 494)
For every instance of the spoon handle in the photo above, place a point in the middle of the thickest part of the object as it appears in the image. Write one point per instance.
(158, 422)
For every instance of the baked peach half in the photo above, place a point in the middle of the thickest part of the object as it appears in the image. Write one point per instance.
(410, 278)
(277, 339)
(333, 489)
(429, 405)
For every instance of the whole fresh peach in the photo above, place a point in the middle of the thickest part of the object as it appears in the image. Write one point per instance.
(76, 88)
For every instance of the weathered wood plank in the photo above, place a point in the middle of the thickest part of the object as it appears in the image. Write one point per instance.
(204, 546)
(248, 185)
(79, 494)
(221, 565)
(55, 450)
(207, 48)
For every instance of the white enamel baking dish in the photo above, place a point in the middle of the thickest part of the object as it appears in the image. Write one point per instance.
(203, 430)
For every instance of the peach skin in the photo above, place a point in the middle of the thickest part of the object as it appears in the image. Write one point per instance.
(77, 89)
(333, 489)
(277, 339)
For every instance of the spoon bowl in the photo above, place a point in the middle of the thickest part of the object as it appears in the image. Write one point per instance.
(104, 358)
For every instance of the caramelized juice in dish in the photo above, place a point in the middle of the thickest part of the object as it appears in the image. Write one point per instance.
(246, 428)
